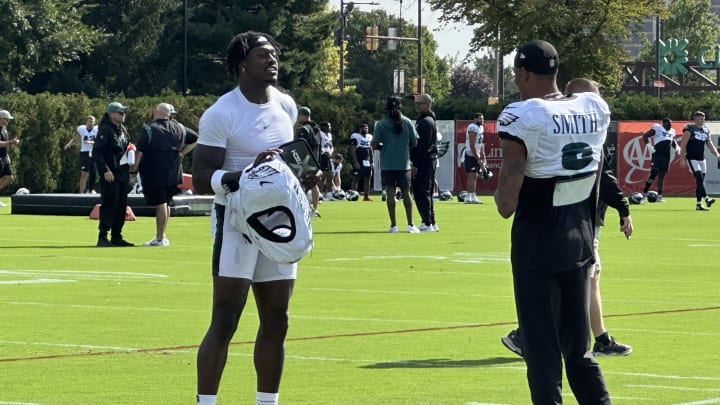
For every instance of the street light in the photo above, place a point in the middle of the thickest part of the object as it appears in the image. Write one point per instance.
(345, 9)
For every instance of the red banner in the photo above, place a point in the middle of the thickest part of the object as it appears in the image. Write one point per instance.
(633, 161)
(492, 153)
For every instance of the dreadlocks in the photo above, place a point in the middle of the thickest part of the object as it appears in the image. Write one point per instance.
(241, 44)
(392, 107)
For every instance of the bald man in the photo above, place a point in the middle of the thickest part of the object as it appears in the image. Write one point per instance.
(162, 144)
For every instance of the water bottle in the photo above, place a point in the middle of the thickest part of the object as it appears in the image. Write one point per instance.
(131, 154)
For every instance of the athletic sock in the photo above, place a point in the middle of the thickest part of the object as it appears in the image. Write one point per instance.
(604, 338)
(206, 399)
(266, 398)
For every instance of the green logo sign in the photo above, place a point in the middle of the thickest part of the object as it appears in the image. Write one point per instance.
(672, 56)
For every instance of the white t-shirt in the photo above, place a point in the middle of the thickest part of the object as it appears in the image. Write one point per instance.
(478, 139)
(245, 129)
(662, 134)
(87, 138)
(326, 145)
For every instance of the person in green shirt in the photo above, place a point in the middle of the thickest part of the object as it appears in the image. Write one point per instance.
(394, 136)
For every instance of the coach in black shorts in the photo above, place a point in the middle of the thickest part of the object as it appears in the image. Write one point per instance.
(161, 147)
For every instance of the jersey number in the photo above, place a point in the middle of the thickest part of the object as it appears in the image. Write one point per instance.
(576, 155)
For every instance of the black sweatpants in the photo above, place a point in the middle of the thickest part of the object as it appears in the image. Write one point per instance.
(113, 200)
(554, 316)
(422, 186)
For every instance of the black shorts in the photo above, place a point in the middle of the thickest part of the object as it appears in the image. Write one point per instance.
(362, 172)
(86, 163)
(471, 164)
(395, 178)
(661, 164)
(159, 195)
(5, 167)
(325, 162)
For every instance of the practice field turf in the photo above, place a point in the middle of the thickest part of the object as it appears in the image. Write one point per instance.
(376, 318)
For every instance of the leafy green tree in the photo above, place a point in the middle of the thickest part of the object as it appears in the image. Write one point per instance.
(39, 36)
(472, 83)
(588, 34)
(372, 71)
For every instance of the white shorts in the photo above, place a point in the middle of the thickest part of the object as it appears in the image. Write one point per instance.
(235, 257)
(697, 166)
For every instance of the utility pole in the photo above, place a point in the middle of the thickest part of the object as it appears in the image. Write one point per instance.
(421, 85)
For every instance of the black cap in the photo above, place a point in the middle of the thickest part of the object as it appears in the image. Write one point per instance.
(539, 57)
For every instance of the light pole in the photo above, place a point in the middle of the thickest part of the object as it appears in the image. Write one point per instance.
(345, 9)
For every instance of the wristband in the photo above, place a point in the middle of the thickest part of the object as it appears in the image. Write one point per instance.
(216, 181)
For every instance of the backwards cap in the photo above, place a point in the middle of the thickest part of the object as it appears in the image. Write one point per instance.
(539, 57)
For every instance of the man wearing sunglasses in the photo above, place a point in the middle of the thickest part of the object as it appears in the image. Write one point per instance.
(109, 156)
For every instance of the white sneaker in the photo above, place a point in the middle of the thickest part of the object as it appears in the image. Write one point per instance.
(426, 228)
(314, 213)
(155, 242)
(435, 227)
(2, 204)
(330, 197)
(412, 229)
(467, 201)
(393, 229)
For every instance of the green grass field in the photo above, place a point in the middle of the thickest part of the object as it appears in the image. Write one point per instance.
(376, 318)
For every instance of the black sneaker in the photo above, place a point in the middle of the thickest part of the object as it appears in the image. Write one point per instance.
(103, 242)
(120, 242)
(611, 349)
(512, 342)
(699, 207)
(709, 201)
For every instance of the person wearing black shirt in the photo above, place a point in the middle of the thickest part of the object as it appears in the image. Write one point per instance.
(110, 158)
(424, 161)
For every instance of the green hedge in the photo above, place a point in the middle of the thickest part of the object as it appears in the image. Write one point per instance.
(45, 123)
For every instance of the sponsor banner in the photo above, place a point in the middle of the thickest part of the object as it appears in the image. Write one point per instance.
(492, 154)
(633, 161)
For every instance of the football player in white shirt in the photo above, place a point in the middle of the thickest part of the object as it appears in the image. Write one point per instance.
(326, 151)
(245, 125)
(86, 138)
(663, 138)
(474, 159)
(552, 151)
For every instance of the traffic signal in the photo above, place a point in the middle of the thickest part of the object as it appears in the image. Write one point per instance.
(375, 41)
(371, 44)
(418, 86)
